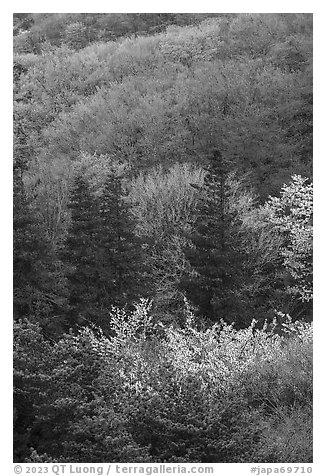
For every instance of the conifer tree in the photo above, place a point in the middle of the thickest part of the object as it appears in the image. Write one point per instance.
(36, 289)
(80, 252)
(214, 255)
(120, 258)
(102, 252)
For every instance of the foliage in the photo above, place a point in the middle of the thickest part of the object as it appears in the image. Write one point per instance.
(122, 274)
(57, 28)
(287, 437)
(67, 420)
(102, 253)
(163, 98)
(39, 288)
(75, 35)
(80, 251)
(30, 380)
(151, 393)
(164, 205)
(291, 215)
(214, 254)
(115, 116)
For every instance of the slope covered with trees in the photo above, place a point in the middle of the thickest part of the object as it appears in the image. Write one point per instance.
(165, 157)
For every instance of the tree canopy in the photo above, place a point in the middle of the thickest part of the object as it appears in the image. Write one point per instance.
(162, 237)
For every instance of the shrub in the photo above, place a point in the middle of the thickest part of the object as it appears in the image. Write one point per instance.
(285, 378)
(287, 437)
(152, 393)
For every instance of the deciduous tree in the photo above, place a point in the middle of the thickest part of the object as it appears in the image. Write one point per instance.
(291, 215)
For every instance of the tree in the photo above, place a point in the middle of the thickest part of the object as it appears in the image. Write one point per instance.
(164, 204)
(261, 288)
(214, 255)
(102, 252)
(75, 36)
(291, 215)
(38, 287)
(21, 22)
(120, 250)
(80, 252)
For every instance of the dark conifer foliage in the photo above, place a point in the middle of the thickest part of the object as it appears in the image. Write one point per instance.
(120, 250)
(37, 292)
(102, 253)
(214, 254)
(80, 252)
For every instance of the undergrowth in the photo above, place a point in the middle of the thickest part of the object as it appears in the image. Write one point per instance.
(152, 393)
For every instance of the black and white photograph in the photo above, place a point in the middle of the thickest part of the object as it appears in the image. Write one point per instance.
(162, 240)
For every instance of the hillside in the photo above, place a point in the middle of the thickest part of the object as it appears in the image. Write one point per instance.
(163, 194)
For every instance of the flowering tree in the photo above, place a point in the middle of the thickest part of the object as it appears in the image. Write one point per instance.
(291, 214)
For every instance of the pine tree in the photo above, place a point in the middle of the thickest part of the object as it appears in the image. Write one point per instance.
(122, 271)
(214, 255)
(80, 253)
(35, 284)
(102, 253)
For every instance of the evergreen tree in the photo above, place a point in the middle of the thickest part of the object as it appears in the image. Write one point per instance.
(120, 250)
(80, 252)
(102, 252)
(214, 254)
(37, 289)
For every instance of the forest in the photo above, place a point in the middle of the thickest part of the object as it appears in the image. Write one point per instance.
(163, 223)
